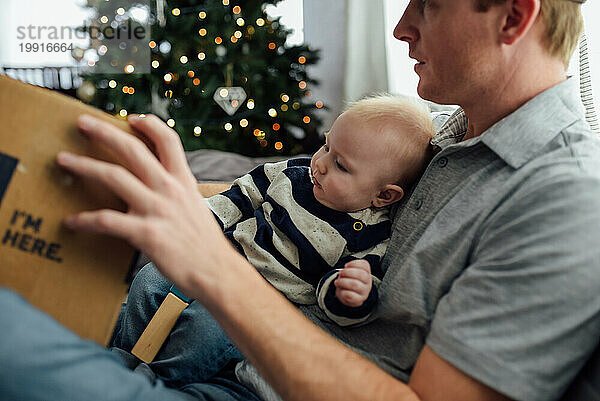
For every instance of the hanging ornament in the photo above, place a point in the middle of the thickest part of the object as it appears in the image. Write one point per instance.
(86, 91)
(230, 98)
(77, 53)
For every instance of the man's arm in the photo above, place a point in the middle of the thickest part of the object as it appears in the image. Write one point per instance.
(168, 219)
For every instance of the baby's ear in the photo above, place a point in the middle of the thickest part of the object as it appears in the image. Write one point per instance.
(391, 193)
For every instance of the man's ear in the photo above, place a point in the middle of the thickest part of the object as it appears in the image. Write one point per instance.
(391, 193)
(519, 17)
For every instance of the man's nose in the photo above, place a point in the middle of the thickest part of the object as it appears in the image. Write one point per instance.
(406, 29)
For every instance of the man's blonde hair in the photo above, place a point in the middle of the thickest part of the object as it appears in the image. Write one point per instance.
(408, 123)
(562, 21)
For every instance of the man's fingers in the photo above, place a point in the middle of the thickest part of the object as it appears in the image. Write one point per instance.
(116, 178)
(168, 144)
(107, 221)
(129, 149)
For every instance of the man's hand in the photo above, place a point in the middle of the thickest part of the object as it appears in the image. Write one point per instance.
(166, 217)
(354, 282)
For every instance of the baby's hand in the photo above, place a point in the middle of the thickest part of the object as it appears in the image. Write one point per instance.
(354, 282)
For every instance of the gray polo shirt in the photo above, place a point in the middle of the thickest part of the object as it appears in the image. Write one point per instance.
(494, 260)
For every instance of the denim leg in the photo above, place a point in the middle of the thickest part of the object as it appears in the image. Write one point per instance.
(41, 360)
(197, 348)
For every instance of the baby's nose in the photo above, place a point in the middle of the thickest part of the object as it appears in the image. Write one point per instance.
(320, 166)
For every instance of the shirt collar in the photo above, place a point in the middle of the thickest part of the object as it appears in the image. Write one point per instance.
(518, 137)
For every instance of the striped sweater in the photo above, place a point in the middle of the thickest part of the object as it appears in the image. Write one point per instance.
(272, 217)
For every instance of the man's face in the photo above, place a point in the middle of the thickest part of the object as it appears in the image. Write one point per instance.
(454, 47)
(348, 170)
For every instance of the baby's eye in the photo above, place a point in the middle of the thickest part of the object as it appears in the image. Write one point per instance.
(340, 166)
(326, 148)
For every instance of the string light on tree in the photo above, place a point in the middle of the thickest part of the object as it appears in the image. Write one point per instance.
(245, 50)
(123, 113)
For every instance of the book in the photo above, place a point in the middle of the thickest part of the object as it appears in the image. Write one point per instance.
(78, 278)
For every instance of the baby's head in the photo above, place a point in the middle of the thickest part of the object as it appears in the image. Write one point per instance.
(375, 151)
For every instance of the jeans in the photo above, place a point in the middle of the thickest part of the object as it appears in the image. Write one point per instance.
(197, 348)
(42, 360)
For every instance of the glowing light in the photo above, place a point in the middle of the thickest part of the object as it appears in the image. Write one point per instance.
(240, 21)
(263, 143)
(276, 127)
(171, 122)
(112, 83)
(191, 74)
(235, 103)
(202, 14)
(228, 127)
(272, 45)
(152, 44)
(120, 11)
(91, 63)
(123, 113)
(243, 123)
(197, 130)
(306, 119)
(225, 2)
(202, 32)
(284, 107)
(302, 85)
(183, 59)
(131, 90)
(319, 104)
(129, 68)
(168, 77)
(250, 104)
(125, 88)
(250, 30)
(176, 12)
(155, 64)
(296, 106)
(196, 81)
(237, 9)
(201, 56)
(223, 92)
(256, 132)
(169, 94)
(218, 40)
(302, 59)
(102, 50)
(273, 112)
(237, 34)
(260, 22)
(104, 19)
(278, 145)
(285, 97)
(233, 39)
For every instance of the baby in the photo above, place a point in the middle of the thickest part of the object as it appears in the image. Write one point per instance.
(315, 228)
(322, 222)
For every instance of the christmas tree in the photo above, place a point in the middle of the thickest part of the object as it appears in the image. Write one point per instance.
(221, 75)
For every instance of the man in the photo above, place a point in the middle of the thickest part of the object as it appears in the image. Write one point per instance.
(492, 281)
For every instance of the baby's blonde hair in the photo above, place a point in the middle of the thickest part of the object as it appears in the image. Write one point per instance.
(409, 126)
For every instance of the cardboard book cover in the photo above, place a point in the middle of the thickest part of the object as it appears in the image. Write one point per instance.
(79, 279)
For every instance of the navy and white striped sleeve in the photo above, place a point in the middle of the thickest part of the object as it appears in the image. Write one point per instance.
(246, 194)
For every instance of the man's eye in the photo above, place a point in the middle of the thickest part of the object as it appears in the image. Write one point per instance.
(340, 166)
